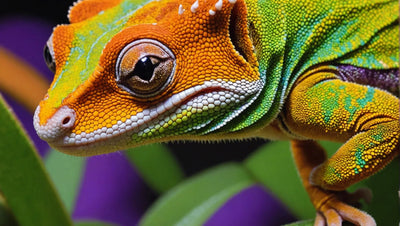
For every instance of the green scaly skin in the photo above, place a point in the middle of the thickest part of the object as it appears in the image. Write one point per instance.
(210, 70)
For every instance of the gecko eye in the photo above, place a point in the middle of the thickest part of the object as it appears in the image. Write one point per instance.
(49, 59)
(144, 68)
(48, 54)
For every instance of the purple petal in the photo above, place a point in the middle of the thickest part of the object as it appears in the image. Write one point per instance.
(252, 206)
(25, 37)
(112, 191)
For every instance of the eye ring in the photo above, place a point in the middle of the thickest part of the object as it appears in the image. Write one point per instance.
(144, 68)
(48, 54)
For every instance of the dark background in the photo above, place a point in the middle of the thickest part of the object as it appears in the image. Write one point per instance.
(54, 11)
(193, 156)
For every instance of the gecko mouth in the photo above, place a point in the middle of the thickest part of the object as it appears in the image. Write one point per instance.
(168, 107)
(206, 96)
(79, 147)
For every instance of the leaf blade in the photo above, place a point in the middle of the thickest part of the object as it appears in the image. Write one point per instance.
(23, 180)
(272, 165)
(157, 166)
(211, 188)
(66, 173)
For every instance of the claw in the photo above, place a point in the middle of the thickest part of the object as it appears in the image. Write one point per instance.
(319, 220)
(335, 211)
(354, 215)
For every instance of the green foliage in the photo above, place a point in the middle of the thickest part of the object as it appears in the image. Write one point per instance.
(66, 172)
(196, 199)
(384, 206)
(23, 181)
(302, 223)
(6, 218)
(157, 166)
(273, 166)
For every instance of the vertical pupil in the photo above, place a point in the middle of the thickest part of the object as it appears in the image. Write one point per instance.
(144, 69)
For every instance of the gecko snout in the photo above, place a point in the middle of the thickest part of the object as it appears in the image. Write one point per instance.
(57, 126)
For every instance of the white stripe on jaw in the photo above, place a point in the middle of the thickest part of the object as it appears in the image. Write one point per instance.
(137, 124)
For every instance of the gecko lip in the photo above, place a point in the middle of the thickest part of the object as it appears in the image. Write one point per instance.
(109, 139)
(168, 106)
(74, 147)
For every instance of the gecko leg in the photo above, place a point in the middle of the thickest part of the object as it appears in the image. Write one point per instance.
(331, 206)
(364, 118)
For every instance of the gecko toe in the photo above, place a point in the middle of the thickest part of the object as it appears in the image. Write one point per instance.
(335, 211)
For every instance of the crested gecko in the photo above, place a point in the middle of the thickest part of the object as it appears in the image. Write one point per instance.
(129, 74)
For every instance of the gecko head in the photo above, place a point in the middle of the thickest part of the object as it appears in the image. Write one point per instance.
(127, 76)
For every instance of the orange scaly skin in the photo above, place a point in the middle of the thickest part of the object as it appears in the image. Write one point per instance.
(224, 69)
(102, 108)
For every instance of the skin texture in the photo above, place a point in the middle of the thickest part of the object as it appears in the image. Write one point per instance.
(210, 70)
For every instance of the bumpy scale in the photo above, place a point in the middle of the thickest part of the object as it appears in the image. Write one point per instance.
(215, 69)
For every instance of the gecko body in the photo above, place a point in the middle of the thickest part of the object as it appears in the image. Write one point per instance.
(128, 75)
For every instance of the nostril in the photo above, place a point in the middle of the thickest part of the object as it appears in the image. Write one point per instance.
(66, 120)
(57, 126)
(66, 117)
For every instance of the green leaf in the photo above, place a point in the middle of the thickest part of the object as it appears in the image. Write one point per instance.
(66, 173)
(157, 166)
(6, 218)
(385, 208)
(196, 199)
(273, 166)
(330, 147)
(23, 181)
(302, 223)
